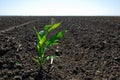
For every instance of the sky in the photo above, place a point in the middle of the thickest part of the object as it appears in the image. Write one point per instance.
(60, 7)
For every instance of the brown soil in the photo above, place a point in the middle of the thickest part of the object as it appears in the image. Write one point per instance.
(90, 50)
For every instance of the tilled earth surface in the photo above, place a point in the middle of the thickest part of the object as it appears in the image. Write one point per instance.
(90, 50)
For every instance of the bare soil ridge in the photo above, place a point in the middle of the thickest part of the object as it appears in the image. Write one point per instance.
(13, 27)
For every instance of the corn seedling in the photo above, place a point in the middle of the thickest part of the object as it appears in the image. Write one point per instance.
(43, 43)
(16, 63)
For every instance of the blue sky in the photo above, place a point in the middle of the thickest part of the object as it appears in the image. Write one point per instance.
(60, 7)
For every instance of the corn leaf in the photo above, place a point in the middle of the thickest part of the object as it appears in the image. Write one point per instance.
(54, 39)
(54, 26)
(38, 35)
(55, 42)
(51, 57)
(60, 34)
(42, 52)
(39, 48)
(46, 27)
(51, 41)
(43, 40)
(36, 60)
(41, 33)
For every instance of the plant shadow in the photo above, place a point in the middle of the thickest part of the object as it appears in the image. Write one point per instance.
(42, 75)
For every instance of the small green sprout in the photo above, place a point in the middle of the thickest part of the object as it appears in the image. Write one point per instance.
(16, 63)
(43, 43)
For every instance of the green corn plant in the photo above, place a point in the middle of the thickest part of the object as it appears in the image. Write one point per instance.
(43, 43)
(17, 62)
